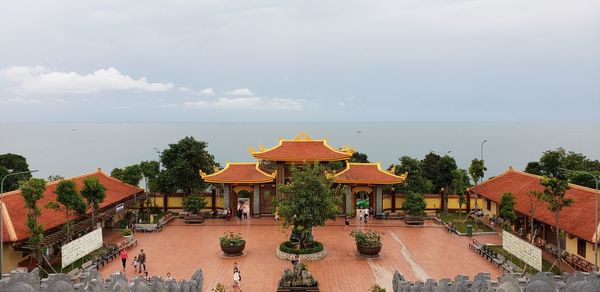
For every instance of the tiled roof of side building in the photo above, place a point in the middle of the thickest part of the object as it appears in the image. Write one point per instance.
(302, 148)
(367, 173)
(239, 172)
(578, 219)
(15, 214)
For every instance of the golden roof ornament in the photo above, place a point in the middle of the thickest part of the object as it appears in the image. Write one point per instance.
(251, 150)
(393, 169)
(302, 137)
(348, 149)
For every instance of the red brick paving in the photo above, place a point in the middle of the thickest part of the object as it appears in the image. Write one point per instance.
(416, 252)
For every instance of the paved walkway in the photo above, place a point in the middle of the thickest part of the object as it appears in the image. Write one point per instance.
(417, 253)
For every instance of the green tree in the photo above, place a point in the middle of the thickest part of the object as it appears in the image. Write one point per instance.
(535, 200)
(68, 202)
(415, 181)
(552, 161)
(150, 170)
(308, 200)
(94, 193)
(476, 171)
(131, 174)
(414, 204)
(446, 165)
(55, 177)
(359, 157)
(166, 184)
(507, 207)
(194, 203)
(430, 166)
(554, 195)
(15, 163)
(534, 167)
(183, 161)
(32, 190)
(459, 185)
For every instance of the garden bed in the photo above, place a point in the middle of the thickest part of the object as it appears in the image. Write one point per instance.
(287, 251)
(460, 224)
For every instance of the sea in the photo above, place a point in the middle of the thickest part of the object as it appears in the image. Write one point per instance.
(70, 149)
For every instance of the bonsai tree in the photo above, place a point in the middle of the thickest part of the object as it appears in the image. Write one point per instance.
(308, 200)
(367, 238)
(127, 232)
(414, 204)
(232, 239)
(194, 203)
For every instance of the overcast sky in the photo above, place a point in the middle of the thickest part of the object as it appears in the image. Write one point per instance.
(417, 60)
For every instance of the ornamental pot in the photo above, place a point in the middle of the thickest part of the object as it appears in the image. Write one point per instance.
(233, 250)
(414, 220)
(128, 237)
(368, 251)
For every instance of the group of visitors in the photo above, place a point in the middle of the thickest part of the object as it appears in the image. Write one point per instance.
(139, 261)
(363, 214)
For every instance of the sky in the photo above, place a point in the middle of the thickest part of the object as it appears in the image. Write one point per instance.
(300, 61)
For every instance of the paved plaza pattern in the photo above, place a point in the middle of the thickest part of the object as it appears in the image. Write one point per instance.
(417, 253)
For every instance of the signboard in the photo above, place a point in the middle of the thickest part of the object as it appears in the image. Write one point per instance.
(523, 250)
(120, 207)
(80, 247)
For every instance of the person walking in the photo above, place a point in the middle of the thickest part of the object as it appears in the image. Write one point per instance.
(237, 279)
(142, 260)
(346, 222)
(123, 255)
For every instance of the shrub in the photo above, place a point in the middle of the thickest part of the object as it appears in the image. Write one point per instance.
(312, 247)
(414, 204)
(193, 203)
(376, 288)
(231, 239)
(367, 238)
(127, 232)
(220, 288)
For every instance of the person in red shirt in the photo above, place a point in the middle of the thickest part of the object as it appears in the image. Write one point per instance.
(123, 255)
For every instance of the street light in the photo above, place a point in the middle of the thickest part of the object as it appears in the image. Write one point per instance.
(2, 219)
(596, 178)
(481, 157)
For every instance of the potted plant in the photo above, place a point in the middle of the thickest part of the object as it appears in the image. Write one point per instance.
(368, 242)
(193, 204)
(298, 278)
(414, 206)
(128, 234)
(232, 244)
(376, 288)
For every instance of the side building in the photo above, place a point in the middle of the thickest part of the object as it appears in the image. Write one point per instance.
(119, 197)
(576, 221)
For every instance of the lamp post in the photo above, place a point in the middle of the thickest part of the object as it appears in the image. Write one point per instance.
(596, 178)
(2, 218)
(481, 157)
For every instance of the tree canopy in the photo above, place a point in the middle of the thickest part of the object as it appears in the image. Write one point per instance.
(553, 162)
(507, 206)
(459, 185)
(68, 197)
(131, 174)
(414, 204)
(554, 196)
(359, 157)
(150, 170)
(32, 190)
(416, 181)
(308, 200)
(182, 161)
(15, 163)
(94, 193)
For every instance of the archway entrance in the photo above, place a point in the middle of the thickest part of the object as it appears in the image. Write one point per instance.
(363, 202)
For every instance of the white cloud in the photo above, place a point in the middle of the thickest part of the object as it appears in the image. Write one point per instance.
(207, 92)
(20, 100)
(240, 92)
(249, 103)
(40, 80)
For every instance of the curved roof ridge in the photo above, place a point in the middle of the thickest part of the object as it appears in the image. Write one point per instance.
(267, 177)
(512, 169)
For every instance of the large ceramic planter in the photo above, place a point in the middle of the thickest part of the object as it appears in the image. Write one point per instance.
(128, 237)
(368, 251)
(298, 289)
(235, 250)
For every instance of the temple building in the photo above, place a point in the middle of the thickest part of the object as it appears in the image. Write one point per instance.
(251, 184)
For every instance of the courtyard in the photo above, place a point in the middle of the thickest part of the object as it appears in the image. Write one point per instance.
(418, 253)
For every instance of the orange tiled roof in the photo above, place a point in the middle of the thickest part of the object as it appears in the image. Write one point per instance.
(578, 219)
(240, 172)
(367, 173)
(15, 214)
(302, 148)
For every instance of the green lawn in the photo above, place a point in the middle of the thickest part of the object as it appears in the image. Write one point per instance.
(545, 264)
(461, 224)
